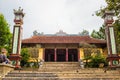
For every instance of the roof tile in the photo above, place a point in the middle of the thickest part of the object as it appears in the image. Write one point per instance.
(62, 39)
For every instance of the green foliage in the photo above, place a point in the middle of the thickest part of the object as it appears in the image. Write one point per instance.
(25, 57)
(88, 50)
(84, 33)
(97, 60)
(99, 34)
(35, 33)
(5, 34)
(87, 58)
(113, 5)
(117, 34)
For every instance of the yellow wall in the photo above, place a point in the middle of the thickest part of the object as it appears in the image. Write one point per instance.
(105, 52)
(100, 49)
(81, 53)
(80, 50)
(40, 53)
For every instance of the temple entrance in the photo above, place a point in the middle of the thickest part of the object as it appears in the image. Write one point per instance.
(49, 54)
(61, 55)
(72, 55)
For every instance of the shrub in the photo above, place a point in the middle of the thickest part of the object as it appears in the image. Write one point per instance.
(25, 57)
(97, 60)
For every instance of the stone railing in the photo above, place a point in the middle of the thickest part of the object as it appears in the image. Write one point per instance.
(4, 69)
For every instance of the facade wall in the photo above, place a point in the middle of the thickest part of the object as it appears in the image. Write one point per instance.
(91, 51)
(105, 52)
(34, 54)
(41, 51)
(81, 53)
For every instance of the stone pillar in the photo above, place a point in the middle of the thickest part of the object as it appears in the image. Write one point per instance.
(17, 38)
(113, 57)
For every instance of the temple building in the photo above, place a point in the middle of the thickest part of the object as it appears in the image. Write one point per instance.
(63, 47)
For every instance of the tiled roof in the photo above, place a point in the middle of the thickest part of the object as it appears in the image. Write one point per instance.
(62, 39)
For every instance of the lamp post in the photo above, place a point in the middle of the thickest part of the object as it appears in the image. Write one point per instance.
(113, 58)
(17, 38)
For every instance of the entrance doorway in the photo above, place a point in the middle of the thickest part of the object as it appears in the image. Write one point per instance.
(61, 55)
(49, 55)
(72, 55)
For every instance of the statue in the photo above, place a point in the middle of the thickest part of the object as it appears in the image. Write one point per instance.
(81, 63)
(41, 63)
(3, 57)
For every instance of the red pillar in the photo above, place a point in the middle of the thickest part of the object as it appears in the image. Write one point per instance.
(66, 54)
(17, 64)
(55, 55)
(44, 54)
(78, 54)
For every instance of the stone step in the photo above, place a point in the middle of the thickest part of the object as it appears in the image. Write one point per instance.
(91, 70)
(61, 74)
(53, 78)
(59, 66)
(96, 74)
(71, 71)
(31, 75)
(61, 62)
(62, 71)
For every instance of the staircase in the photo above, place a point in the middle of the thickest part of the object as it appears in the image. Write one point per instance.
(63, 71)
(59, 66)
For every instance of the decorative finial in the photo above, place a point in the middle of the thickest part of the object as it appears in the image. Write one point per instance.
(19, 11)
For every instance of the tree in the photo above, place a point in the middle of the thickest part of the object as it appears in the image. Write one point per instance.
(84, 33)
(113, 5)
(35, 33)
(25, 56)
(99, 34)
(5, 34)
(117, 34)
(97, 60)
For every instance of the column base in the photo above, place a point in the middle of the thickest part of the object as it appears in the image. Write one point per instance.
(113, 61)
(17, 67)
(15, 58)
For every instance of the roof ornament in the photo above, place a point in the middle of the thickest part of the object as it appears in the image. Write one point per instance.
(61, 33)
(19, 11)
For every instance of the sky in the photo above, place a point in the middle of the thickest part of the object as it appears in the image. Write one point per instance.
(50, 16)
